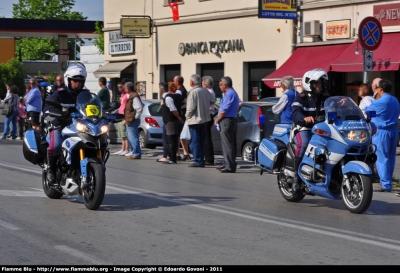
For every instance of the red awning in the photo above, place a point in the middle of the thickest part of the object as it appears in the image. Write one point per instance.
(304, 59)
(385, 58)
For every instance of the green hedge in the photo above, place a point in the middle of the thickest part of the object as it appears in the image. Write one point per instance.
(12, 71)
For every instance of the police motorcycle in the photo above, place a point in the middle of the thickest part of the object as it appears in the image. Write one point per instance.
(81, 164)
(337, 162)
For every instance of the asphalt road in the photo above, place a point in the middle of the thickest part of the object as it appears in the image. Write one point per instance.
(174, 215)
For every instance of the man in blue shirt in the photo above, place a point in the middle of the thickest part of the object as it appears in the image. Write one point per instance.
(284, 105)
(387, 114)
(226, 120)
(33, 101)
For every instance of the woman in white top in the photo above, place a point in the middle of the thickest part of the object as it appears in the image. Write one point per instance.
(366, 99)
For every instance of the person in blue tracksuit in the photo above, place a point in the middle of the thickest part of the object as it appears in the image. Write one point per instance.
(387, 114)
(284, 105)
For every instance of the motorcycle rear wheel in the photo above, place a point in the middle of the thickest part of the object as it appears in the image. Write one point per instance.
(287, 193)
(360, 196)
(94, 193)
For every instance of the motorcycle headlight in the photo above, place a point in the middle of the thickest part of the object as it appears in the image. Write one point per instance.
(359, 136)
(104, 129)
(80, 127)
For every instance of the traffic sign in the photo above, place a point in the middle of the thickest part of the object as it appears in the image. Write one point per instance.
(370, 33)
(368, 61)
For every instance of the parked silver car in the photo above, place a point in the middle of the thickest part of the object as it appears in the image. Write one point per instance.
(151, 124)
(249, 130)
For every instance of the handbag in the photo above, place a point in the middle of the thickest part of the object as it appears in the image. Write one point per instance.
(8, 107)
(185, 134)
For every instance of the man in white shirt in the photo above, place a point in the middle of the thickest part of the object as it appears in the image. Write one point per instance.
(208, 83)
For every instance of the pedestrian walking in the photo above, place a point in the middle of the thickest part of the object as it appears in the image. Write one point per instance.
(21, 118)
(104, 93)
(8, 95)
(12, 117)
(387, 114)
(133, 110)
(198, 105)
(284, 104)
(33, 102)
(226, 120)
(121, 126)
(178, 80)
(208, 83)
(366, 97)
(170, 110)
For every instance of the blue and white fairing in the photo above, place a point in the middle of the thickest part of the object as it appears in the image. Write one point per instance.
(344, 132)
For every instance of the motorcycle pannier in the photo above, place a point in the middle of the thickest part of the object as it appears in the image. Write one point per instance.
(34, 146)
(271, 154)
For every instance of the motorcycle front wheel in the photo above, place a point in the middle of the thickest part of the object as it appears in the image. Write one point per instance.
(359, 197)
(94, 193)
(286, 191)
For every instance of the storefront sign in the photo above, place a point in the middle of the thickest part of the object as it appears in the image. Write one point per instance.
(115, 36)
(136, 27)
(62, 51)
(212, 46)
(278, 9)
(388, 14)
(338, 29)
(121, 48)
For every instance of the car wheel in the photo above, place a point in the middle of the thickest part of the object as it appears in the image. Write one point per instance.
(248, 151)
(142, 139)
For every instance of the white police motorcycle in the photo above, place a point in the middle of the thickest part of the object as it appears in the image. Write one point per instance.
(81, 165)
(337, 162)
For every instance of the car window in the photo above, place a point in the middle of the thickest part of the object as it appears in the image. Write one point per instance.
(155, 109)
(244, 114)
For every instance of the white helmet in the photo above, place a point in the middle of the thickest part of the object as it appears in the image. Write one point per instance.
(75, 71)
(313, 75)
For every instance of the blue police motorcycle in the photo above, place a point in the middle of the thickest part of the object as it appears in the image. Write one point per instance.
(81, 165)
(337, 162)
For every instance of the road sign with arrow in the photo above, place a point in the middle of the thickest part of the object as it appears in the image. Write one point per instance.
(368, 61)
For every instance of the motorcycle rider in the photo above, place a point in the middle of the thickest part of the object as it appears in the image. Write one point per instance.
(306, 107)
(74, 76)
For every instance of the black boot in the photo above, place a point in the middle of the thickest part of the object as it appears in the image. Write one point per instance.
(296, 181)
(51, 173)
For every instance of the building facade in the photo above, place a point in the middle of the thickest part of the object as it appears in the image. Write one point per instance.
(215, 38)
(328, 37)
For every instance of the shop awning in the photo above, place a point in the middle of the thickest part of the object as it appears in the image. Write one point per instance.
(385, 58)
(112, 70)
(304, 59)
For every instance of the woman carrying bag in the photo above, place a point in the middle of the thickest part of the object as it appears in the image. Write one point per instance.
(12, 116)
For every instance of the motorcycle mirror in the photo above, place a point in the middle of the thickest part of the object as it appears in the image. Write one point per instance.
(114, 118)
(332, 116)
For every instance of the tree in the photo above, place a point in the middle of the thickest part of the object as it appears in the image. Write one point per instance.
(35, 48)
(12, 71)
(99, 42)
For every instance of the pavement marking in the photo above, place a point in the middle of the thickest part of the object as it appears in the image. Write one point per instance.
(22, 193)
(297, 225)
(81, 255)
(8, 225)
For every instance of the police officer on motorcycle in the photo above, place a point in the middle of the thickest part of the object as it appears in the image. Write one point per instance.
(74, 77)
(306, 108)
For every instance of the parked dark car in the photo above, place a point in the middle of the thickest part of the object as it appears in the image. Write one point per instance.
(249, 131)
(270, 99)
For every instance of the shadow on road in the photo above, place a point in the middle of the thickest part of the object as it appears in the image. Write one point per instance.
(128, 202)
(377, 207)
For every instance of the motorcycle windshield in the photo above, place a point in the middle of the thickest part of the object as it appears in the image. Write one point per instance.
(89, 105)
(344, 107)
